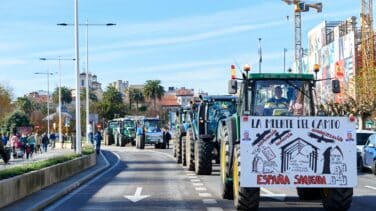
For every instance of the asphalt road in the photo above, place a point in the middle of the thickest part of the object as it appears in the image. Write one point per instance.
(153, 180)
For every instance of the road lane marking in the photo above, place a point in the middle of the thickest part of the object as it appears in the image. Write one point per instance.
(197, 184)
(209, 201)
(137, 195)
(204, 194)
(190, 174)
(269, 194)
(192, 177)
(200, 188)
(214, 209)
(195, 180)
(370, 187)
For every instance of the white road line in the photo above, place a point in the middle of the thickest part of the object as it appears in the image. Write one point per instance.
(200, 188)
(204, 194)
(192, 177)
(190, 174)
(197, 184)
(209, 201)
(70, 195)
(214, 209)
(195, 180)
(269, 194)
(370, 187)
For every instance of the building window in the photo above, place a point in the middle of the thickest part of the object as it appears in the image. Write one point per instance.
(82, 83)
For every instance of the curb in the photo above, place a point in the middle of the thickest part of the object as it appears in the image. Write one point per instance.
(71, 187)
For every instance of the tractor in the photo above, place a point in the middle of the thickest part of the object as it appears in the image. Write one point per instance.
(280, 138)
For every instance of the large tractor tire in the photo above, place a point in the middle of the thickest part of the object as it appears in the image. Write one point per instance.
(226, 180)
(183, 151)
(142, 141)
(336, 199)
(309, 193)
(174, 147)
(203, 157)
(123, 140)
(244, 198)
(178, 149)
(190, 151)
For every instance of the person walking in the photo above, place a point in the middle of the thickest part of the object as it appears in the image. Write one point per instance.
(38, 142)
(52, 140)
(23, 144)
(14, 144)
(98, 139)
(3, 153)
(45, 142)
(167, 137)
(31, 146)
(4, 139)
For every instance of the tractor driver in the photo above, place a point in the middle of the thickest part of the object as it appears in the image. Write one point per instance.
(276, 102)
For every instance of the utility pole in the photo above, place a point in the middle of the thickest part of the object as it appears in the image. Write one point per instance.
(284, 59)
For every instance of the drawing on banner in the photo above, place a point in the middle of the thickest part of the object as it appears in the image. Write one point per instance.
(261, 165)
(299, 156)
(335, 166)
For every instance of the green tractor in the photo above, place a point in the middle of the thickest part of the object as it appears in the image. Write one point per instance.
(279, 138)
(122, 131)
(182, 122)
(201, 145)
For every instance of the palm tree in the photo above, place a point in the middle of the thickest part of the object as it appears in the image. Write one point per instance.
(138, 97)
(154, 90)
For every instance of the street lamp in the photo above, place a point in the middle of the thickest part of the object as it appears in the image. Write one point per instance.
(87, 24)
(48, 98)
(58, 59)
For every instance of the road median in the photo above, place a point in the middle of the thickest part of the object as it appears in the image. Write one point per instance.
(39, 177)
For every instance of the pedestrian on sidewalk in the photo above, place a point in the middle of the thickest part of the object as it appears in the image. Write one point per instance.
(31, 146)
(38, 142)
(14, 141)
(4, 139)
(98, 139)
(22, 144)
(52, 140)
(3, 153)
(45, 142)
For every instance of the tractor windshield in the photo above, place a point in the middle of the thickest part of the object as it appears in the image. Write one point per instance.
(152, 126)
(128, 123)
(281, 98)
(219, 110)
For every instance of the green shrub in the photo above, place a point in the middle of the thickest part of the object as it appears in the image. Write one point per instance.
(87, 150)
(18, 170)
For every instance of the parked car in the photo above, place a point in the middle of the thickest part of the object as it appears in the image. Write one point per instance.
(361, 139)
(369, 153)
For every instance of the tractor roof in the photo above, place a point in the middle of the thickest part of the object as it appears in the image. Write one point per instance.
(219, 98)
(277, 76)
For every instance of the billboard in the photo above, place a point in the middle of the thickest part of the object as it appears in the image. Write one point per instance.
(336, 59)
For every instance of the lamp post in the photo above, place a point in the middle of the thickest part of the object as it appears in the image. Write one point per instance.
(87, 24)
(48, 98)
(59, 67)
(284, 59)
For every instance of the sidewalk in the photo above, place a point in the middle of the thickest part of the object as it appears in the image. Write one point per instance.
(36, 157)
(47, 196)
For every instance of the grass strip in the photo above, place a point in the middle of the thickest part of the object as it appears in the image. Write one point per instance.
(18, 170)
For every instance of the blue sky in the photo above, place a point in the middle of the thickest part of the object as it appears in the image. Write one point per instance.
(182, 43)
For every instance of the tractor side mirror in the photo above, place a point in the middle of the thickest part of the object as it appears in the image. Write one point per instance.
(232, 86)
(336, 88)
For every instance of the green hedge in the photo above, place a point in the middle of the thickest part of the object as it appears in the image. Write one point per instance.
(18, 170)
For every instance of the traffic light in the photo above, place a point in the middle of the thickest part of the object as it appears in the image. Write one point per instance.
(336, 87)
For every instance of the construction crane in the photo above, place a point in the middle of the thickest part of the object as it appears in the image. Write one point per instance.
(300, 6)
(367, 74)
